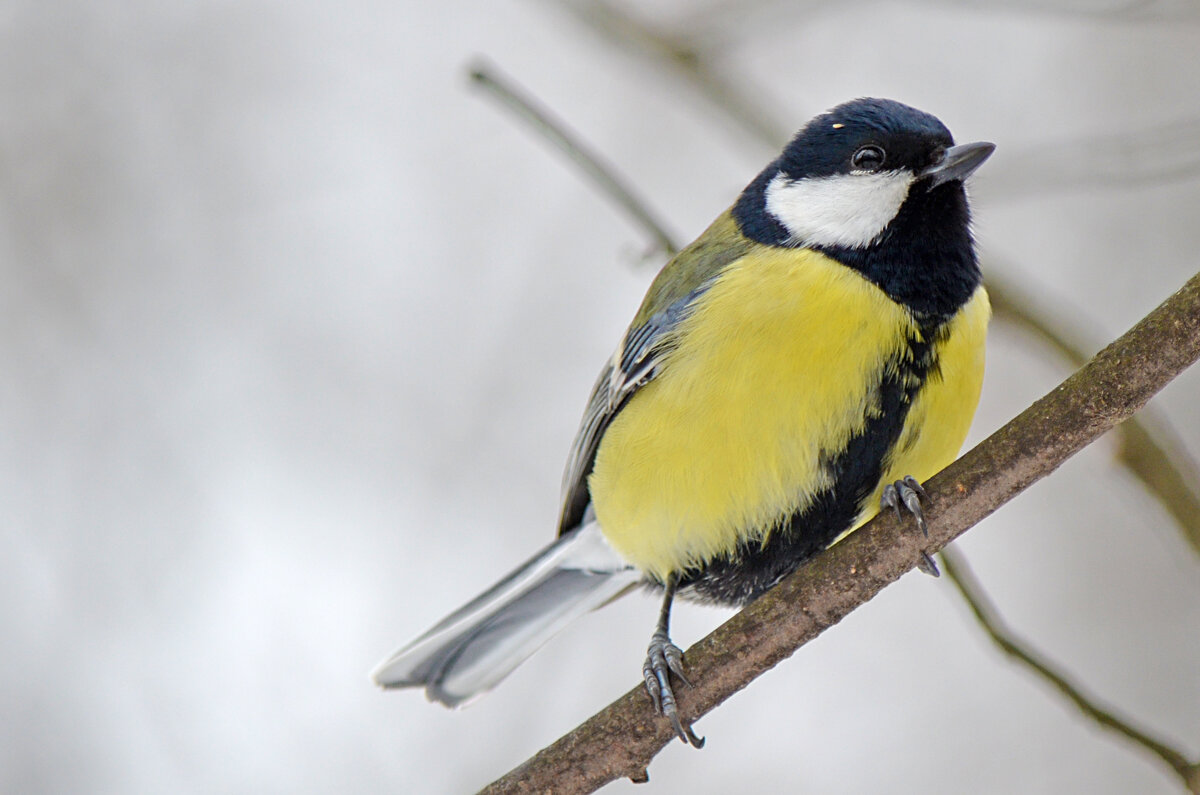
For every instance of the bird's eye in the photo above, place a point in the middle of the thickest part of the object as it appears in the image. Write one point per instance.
(868, 158)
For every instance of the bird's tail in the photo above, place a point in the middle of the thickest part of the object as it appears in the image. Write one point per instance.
(469, 651)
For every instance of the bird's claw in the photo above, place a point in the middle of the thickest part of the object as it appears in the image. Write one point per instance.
(909, 493)
(664, 658)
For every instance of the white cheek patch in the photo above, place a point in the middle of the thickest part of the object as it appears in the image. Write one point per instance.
(842, 210)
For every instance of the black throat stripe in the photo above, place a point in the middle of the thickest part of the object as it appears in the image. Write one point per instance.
(754, 567)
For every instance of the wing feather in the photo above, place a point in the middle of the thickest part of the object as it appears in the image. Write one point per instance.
(640, 355)
(633, 365)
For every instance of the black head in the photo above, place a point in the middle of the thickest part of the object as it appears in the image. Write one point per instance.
(877, 185)
(865, 135)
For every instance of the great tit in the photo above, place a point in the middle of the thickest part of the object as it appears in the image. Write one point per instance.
(812, 357)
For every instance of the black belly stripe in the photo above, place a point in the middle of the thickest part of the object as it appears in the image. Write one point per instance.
(738, 578)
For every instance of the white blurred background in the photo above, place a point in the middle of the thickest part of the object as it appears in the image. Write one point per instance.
(298, 327)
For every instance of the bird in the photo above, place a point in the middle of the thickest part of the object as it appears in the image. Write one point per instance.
(808, 361)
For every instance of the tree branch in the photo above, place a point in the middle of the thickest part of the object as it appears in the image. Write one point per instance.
(960, 574)
(1147, 446)
(621, 740)
(601, 173)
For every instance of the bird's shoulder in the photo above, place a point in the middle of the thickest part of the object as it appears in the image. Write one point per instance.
(694, 267)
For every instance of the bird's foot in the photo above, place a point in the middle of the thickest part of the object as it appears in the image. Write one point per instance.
(909, 493)
(664, 658)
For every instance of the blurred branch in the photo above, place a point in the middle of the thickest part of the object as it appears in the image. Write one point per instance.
(1150, 156)
(1014, 305)
(621, 740)
(961, 575)
(717, 22)
(1154, 456)
(734, 98)
(553, 130)
(1123, 11)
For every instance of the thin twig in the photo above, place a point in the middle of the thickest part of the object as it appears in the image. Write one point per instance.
(959, 573)
(621, 740)
(554, 131)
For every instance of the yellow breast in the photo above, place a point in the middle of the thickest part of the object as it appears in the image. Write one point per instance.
(772, 373)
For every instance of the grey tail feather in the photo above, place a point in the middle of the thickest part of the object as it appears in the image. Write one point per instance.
(471, 650)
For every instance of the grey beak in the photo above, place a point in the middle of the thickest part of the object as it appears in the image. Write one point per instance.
(959, 162)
